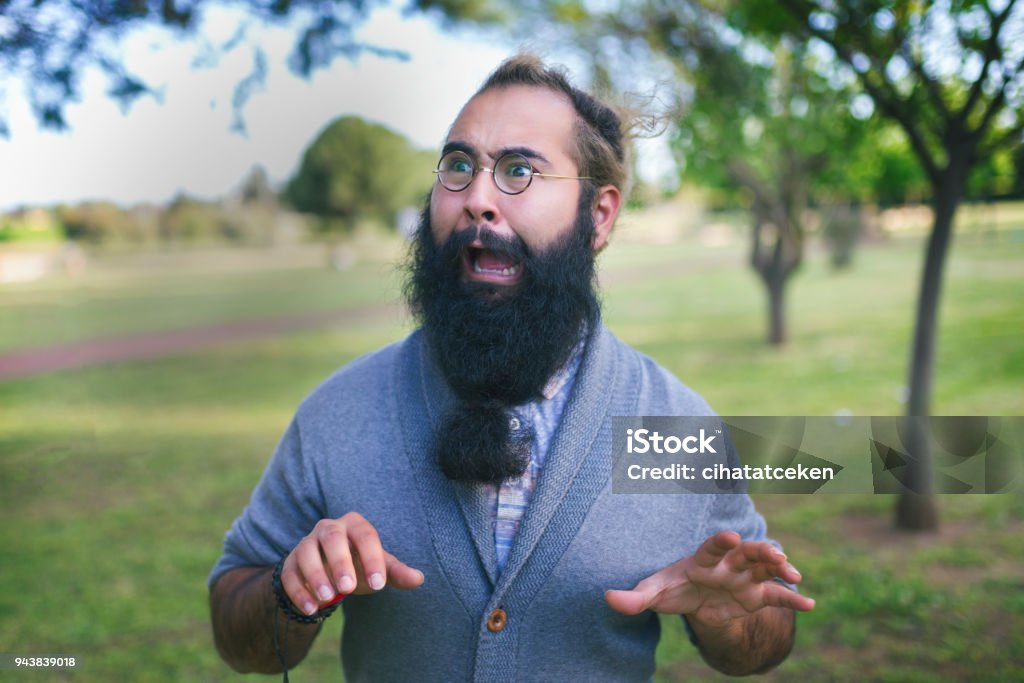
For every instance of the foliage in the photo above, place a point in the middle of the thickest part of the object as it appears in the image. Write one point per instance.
(183, 221)
(51, 44)
(188, 220)
(885, 170)
(98, 223)
(256, 187)
(992, 177)
(755, 114)
(951, 74)
(356, 169)
(30, 226)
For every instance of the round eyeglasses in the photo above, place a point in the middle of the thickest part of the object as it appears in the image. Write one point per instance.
(512, 173)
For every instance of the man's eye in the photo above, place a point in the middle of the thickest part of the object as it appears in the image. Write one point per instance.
(460, 166)
(518, 169)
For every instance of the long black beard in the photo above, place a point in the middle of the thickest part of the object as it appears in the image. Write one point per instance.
(498, 346)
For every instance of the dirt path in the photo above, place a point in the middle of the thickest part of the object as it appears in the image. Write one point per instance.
(150, 345)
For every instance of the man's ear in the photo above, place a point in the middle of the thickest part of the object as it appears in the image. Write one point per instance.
(605, 211)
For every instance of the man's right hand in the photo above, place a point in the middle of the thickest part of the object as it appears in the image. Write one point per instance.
(343, 556)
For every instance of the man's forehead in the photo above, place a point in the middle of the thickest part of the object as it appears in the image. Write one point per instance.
(516, 115)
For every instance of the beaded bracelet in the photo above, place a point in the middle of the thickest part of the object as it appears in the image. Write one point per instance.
(288, 608)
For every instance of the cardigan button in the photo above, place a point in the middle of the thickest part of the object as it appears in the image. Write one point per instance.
(497, 620)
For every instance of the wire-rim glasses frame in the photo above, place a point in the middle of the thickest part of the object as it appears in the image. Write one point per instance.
(512, 172)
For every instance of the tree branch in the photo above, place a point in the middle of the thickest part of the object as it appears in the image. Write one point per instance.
(917, 66)
(983, 152)
(744, 175)
(992, 51)
(765, 205)
(999, 100)
(886, 97)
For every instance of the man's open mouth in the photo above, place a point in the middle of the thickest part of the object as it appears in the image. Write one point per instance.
(486, 265)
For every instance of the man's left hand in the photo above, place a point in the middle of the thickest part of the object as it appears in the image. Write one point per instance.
(726, 579)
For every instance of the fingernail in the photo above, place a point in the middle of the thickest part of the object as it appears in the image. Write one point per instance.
(376, 581)
(793, 569)
(346, 584)
(309, 608)
(778, 555)
(325, 592)
(421, 575)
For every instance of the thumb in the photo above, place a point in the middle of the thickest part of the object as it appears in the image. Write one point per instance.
(643, 596)
(626, 602)
(401, 575)
(656, 592)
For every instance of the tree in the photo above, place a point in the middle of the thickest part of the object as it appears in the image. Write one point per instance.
(100, 223)
(50, 44)
(752, 110)
(256, 187)
(758, 126)
(951, 74)
(355, 169)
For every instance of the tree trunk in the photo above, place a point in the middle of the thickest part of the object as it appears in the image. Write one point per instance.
(774, 261)
(777, 243)
(916, 509)
(776, 310)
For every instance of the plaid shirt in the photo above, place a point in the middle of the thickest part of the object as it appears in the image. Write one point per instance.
(509, 501)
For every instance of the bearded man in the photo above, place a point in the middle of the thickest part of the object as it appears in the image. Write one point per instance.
(455, 486)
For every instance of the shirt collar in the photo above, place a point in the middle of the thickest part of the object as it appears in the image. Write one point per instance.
(568, 370)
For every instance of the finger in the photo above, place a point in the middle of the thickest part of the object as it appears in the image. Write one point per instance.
(777, 568)
(752, 553)
(401, 575)
(711, 551)
(767, 572)
(310, 566)
(334, 545)
(776, 595)
(366, 543)
(295, 588)
(788, 572)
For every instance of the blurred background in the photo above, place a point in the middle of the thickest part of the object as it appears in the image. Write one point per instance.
(204, 208)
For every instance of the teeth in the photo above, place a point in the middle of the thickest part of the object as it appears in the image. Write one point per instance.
(512, 270)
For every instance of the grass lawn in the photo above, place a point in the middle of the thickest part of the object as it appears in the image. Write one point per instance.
(126, 294)
(118, 482)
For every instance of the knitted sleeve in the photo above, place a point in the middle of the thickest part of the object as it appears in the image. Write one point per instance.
(285, 506)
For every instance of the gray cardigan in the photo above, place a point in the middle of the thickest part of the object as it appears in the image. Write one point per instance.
(361, 441)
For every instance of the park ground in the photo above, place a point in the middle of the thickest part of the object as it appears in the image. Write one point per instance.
(118, 480)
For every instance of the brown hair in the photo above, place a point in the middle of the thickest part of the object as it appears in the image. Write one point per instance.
(600, 149)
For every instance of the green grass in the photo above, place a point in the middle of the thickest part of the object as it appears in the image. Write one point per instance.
(118, 482)
(23, 234)
(118, 295)
(850, 332)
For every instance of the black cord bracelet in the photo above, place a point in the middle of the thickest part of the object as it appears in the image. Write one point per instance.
(288, 608)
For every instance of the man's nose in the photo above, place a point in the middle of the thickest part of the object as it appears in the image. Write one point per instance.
(482, 199)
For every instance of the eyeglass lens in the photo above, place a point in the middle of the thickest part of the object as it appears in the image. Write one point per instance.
(512, 173)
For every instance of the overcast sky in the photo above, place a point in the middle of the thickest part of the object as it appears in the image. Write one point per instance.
(185, 143)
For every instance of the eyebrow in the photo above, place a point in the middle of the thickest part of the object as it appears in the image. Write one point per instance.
(459, 146)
